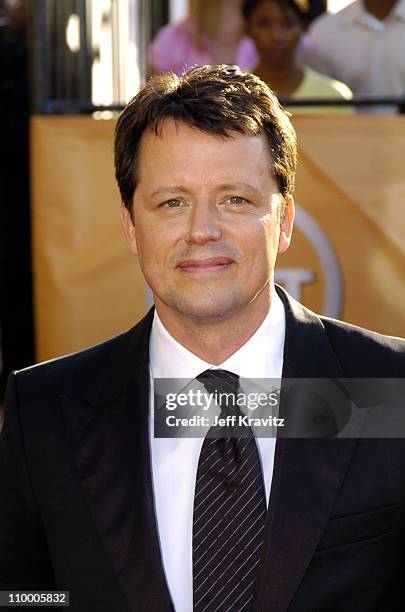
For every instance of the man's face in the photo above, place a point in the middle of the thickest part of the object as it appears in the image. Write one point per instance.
(206, 222)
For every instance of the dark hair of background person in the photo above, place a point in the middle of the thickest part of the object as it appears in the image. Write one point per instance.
(217, 100)
(248, 6)
(306, 10)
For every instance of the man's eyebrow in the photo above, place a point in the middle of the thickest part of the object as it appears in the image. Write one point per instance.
(239, 186)
(164, 191)
(177, 189)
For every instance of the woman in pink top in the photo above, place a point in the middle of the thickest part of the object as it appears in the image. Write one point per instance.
(212, 34)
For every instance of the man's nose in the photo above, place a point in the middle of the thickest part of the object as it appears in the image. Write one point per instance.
(204, 224)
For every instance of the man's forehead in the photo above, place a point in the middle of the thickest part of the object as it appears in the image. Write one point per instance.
(166, 170)
(174, 139)
(179, 154)
(172, 128)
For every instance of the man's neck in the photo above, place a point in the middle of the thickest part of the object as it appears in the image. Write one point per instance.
(379, 8)
(213, 340)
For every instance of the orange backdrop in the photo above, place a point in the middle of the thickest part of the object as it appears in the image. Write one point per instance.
(347, 258)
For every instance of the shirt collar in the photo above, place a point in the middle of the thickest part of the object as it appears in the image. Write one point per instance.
(260, 357)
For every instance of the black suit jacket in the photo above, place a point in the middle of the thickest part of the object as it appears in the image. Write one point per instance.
(76, 497)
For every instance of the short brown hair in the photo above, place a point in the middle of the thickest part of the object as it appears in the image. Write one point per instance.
(217, 100)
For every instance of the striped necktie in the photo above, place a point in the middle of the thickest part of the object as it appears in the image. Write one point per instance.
(229, 511)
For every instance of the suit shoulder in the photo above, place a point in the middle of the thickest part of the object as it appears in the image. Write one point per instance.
(364, 352)
(80, 374)
(68, 365)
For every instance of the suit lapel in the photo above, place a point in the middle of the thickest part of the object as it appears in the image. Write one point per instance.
(307, 473)
(109, 436)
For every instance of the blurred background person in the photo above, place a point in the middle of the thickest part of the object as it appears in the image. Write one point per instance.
(277, 27)
(213, 33)
(362, 45)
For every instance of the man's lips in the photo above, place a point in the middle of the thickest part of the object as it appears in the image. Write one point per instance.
(211, 264)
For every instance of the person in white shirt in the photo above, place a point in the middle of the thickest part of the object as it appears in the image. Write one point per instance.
(362, 45)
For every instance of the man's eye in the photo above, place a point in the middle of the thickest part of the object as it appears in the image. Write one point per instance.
(172, 204)
(237, 201)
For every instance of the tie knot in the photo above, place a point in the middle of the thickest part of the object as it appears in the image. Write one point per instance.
(224, 386)
(220, 381)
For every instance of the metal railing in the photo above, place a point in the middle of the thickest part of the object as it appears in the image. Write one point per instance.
(356, 102)
(83, 107)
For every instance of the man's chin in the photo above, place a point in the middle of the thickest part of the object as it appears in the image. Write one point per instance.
(207, 312)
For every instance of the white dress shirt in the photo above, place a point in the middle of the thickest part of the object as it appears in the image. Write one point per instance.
(355, 47)
(175, 460)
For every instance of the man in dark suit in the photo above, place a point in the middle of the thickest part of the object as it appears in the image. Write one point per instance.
(93, 503)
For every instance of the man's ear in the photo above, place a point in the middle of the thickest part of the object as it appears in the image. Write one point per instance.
(286, 225)
(128, 229)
